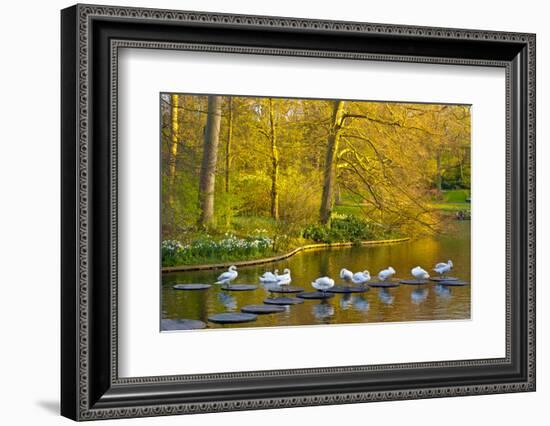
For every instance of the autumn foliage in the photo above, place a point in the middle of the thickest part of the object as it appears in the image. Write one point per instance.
(292, 167)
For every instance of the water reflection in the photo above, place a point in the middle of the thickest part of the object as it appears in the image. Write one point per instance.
(443, 291)
(404, 303)
(419, 295)
(228, 301)
(346, 301)
(323, 310)
(360, 304)
(385, 296)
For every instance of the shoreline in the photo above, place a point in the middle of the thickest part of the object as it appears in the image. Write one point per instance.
(308, 247)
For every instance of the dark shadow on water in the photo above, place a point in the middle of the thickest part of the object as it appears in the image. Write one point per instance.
(50, 406)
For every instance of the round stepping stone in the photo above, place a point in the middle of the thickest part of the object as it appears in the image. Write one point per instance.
(413, 282)
(439, 279)
(348, 289)
(384, 284)
(181, 324)
(453, 283)
(239, 287)
(315, 295)
(283, 301)
(262, 309)
(285, 289)
(191, 286)
(232, 318)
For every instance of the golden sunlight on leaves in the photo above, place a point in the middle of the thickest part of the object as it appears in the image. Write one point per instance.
(295, 167)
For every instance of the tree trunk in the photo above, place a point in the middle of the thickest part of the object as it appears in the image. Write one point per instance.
(228, 158)
(329, 180)
(228, 144)
(439, 177)
(173, 149)
(338, 196)
(207, 183)
(274, 164)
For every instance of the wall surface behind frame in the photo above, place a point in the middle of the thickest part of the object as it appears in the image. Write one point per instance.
(29, 217)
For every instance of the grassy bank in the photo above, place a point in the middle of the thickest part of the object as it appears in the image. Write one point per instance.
(255, 237)
(453, 201)
(251, 238)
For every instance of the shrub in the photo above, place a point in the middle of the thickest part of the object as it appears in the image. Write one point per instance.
(210, 251)
(341, 229)
(317, 233)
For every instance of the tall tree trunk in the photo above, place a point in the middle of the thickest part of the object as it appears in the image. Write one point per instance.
(329, 180)
(228, 158)
(439, 177)
(274, 164)
(461, 158)
(173, 149)
(228, 144)
(207, 183)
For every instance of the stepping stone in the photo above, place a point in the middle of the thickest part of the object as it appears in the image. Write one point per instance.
(439, 279)
(285, 289)
(231, 318)
(456, 283)
(348, 289)
(283, 301)
(384, 284)
(414, 282)
(181, 324)
(315, 295)
(191, 286)
(263, 309)
(239, 287)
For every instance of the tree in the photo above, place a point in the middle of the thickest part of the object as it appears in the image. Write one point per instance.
(255, 161)
(173, 148)
(274, 164)
(228, 142)
(207, 182)
(329, 180)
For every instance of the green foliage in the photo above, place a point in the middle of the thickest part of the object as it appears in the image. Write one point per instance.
(299, 200)
(456, 196)
(227, 207)
(255, 194)
(390, 160)
(185, 211)
(341, 229)
(247, 225)
(453, 201)
(208, 250)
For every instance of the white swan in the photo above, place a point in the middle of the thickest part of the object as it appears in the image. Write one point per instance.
(228, 276)
(346, 274)
(386, 274)
(323, 283)
(361, 277)
(270, 277)
(285, 278)
(443, 268)
(419, 273)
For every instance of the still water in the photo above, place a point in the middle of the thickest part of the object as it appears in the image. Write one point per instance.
(404, 303)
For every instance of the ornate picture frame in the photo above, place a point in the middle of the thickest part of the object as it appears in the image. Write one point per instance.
(91, 37)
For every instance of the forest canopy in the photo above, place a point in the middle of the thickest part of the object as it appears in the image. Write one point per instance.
(288, 171)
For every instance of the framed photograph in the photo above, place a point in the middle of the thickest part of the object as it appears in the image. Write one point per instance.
(263, 212)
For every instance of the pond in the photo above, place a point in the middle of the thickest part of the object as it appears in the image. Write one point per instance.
(403, 303)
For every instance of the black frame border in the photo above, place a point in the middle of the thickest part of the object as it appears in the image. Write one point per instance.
(90, 387)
